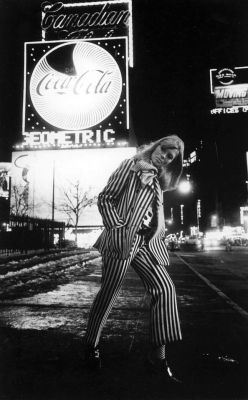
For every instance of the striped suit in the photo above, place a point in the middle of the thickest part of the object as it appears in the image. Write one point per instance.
(123, 204)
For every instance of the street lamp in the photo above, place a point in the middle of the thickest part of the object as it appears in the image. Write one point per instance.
(184, 187)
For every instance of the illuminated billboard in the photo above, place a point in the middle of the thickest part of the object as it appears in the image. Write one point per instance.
(84, 20)
(36, 175)
(229, 87)
(4, 179)
(76, 92)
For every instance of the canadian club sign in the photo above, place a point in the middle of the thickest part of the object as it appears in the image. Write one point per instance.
(84, 20)
(81, 20)
(76, 86)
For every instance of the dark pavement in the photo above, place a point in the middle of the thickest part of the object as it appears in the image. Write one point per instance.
(42, 342)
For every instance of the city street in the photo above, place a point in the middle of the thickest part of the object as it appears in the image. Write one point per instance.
(42, 326)
(123, 125)
(226, 270)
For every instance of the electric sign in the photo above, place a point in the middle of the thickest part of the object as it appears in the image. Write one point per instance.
(41, 175)
(75, 90)
(4, 179)
(95, 19)
(229, 86)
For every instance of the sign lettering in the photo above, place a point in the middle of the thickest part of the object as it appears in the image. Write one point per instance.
(230, 89)
(90, 82)
(85, 20)
(86, 137)
(57, 18)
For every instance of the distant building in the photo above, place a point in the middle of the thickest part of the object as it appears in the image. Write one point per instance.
(217, 172)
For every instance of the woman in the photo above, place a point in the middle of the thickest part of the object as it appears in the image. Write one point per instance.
(131, 206)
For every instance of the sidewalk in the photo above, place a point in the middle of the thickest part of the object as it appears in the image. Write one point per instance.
(41, 344)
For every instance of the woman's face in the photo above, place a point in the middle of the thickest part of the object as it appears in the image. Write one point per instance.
(163, 156)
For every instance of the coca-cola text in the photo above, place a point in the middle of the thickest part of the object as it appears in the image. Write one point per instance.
(90, 82)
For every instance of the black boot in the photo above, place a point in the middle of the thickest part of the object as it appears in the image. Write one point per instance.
(92, 358)
(161, 368)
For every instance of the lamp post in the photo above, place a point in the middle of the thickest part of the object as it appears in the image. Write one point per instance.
(184, 187)
(198, 214)
(53, 201)
(181, 213)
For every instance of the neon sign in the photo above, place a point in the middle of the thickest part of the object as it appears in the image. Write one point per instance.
(230, 89)
(89, 82)
(76, 86)
(96, 19)
(84, 138)
(226, 76)
(69, 18)
(83, 99)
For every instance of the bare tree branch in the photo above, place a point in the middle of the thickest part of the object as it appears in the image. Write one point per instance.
(19, 201)
(74, 201)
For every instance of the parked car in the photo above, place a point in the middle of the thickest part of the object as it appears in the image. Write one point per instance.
(172, 242)
(192, 243)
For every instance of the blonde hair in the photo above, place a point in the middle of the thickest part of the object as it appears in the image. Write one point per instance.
(168, 175)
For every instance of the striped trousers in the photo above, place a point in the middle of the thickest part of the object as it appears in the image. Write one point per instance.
(164, 320)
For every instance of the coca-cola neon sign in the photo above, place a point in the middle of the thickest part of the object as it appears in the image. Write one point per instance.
(78, 97)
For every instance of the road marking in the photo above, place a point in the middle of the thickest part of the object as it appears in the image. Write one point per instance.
(227, 299)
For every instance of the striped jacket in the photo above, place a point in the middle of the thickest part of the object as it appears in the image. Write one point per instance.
(123, 204)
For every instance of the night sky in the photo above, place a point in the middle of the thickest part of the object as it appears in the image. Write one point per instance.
(175, 45)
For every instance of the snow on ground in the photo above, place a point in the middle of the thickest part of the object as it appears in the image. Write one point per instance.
(43, 276)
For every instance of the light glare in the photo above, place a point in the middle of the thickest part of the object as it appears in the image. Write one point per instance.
(184, 187)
